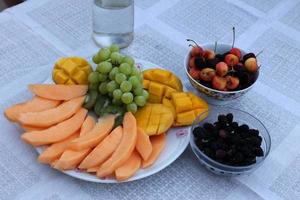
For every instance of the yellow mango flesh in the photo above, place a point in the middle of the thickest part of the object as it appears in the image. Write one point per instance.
(71, 71)
(154, 119)
(187, 107)
(160, 83)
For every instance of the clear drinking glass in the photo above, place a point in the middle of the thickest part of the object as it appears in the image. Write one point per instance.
(113, 22)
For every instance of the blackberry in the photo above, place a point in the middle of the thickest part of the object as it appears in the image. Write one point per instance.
(238, 158)
(209, 127)
(199, 132)
(255, 141)
(246, 151)
(200, 63)
(208, 152)
(259, 152)
(223, 134)
(234, 125)
(229, 117)
(253, 132)
(243, 128)
(220, 154)
(222, 120)
(199, 144)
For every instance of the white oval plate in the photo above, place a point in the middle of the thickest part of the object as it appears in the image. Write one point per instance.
(177, 141)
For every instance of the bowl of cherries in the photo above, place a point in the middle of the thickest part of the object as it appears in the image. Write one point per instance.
(220, 71)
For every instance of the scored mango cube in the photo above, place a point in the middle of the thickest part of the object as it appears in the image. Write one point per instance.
(71, 70)
(182, 104)
(156, 89)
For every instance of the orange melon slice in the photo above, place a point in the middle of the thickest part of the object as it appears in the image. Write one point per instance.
(58, 92)
(36, 104)
(129, 168)
(143, 144)
(57, 132)
(102, 128)
(52, 116)
(125, 148)
(54, 151)
(92, 169)
(158, 143)
(103, 150)
(87, 125)
(70, 158)
(28, 128)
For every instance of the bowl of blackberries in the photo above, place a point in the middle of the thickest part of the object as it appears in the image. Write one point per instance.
(229, 141)
(221, 71)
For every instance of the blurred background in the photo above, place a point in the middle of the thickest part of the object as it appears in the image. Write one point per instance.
(8, 3)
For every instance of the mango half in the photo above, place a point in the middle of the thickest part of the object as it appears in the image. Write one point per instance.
(71, 71)
(154, 118)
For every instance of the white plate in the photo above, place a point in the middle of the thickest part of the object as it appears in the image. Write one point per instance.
(177, 141)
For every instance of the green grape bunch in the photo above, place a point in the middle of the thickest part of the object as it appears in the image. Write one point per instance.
(116, 86)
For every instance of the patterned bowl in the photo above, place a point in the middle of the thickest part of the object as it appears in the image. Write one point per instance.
(210, 94)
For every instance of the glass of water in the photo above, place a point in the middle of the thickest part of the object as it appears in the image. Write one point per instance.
(113, 22)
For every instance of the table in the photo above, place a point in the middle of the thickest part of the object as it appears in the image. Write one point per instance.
(34, 34)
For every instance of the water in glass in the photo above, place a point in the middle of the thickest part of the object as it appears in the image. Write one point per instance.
(113, 22)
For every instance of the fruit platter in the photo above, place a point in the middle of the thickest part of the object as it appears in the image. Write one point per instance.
(121, 120)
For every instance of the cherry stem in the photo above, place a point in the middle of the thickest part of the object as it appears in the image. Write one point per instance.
(190, 45)
(215, 49)
(190, 40)
(233, 40)
(259, 53)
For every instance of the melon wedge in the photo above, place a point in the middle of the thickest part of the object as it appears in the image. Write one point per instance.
(52, 116)
(28, 128)
(92, 169)
(143, 144)
(125, 148)
(70, 158)
(58, 92)
(54, 151)
(87, 125)
(56, 133)
(129, 168)
(36, 104)
(103, 150)
(102, 128)
(158, 143)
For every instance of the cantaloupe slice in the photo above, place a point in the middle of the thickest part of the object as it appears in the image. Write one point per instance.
(103, 150)
(36, 104)
(92, 169)
(158, 143)
(54, 151)
(52, 116)
(87, 125)
(28, 128)
(102, 128)
(129, 168)
(58, 132)
(58, 92)
(125, 148)
(143, 144)
(70, 158)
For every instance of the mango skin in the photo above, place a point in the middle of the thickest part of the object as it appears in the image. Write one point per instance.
(71, 71)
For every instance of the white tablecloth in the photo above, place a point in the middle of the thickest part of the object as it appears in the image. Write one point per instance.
(33, 35)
